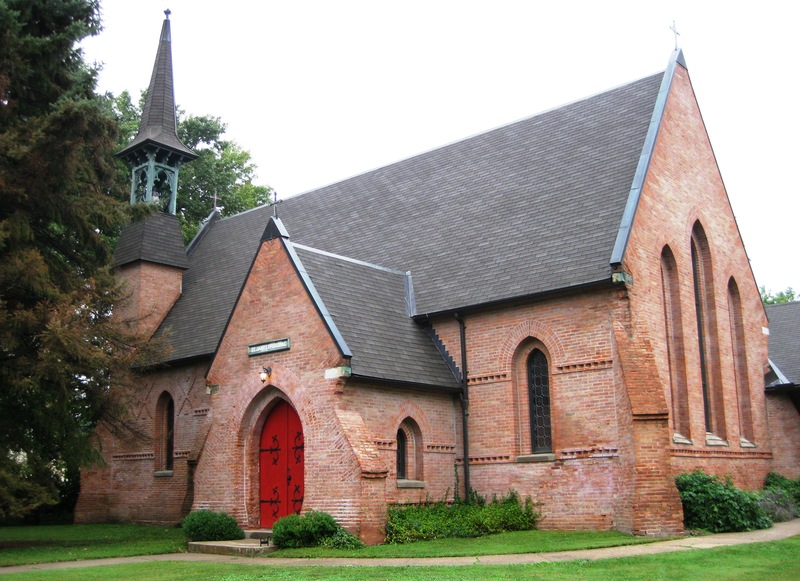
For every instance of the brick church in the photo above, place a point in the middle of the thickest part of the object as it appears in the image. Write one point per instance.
(562, 306)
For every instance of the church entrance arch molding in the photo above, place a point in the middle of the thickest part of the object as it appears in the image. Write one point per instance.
(257, 400)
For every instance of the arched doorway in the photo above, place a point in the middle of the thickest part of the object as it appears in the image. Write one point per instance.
(281, 461)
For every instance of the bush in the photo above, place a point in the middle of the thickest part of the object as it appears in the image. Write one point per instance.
(718, 506)
(206, 525)
(295, 531)
(792, 487)
(341, 539)
(439, 520)
(778, 504)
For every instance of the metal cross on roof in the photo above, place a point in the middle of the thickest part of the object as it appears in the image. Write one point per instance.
(674, 29)
(167, 12)
(275, 203)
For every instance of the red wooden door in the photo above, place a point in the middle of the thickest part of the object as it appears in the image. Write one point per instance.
(281, 460)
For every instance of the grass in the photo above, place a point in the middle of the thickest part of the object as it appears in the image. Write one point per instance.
(776, 561)
(47, 544)
(499, 544)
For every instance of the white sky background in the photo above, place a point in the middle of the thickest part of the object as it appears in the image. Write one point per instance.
(319, 91)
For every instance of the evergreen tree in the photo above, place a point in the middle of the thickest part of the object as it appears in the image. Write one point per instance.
(59, 345)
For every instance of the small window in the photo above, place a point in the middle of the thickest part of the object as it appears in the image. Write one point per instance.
(165, 432)
(539, 402)
(402, 453)
(409, 455)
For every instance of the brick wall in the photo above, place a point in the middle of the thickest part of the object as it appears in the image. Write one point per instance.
(784, 424)
(436, 415)
(132, 487)
(683, 188)
(584, 486)
(152, 290)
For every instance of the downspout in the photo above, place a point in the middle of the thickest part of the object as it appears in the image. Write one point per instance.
(464, 403)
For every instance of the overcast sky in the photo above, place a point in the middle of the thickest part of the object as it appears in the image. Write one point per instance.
(319, 91)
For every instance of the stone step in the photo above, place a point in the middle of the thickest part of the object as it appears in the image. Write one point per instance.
(262, 534)
(252, 547)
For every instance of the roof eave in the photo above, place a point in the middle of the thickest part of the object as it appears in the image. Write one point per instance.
(517, 299)
(408, 385)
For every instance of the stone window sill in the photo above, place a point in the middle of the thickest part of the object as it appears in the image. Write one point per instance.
(745, 443)
(410, 484)
(681, 439)
(162, 473)
(535, 458)
(714, 440)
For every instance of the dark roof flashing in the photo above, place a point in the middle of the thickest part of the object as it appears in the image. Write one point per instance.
(411, 303)
(621, 243)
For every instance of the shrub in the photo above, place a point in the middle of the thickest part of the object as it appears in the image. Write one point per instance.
(792, 487)
(778, 504)
(341, 539)
(439, 520)
(206, 525)
(295, 531)
(718, 506)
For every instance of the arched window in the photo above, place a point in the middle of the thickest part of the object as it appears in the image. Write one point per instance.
(539, 402)
(402, 454)
(740, 363)
(165, 432)
(673, 324)
(409, 451)
(707, 340)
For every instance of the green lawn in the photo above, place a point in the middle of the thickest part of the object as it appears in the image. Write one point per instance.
(775, 561)
(46, 544)
(499, 544)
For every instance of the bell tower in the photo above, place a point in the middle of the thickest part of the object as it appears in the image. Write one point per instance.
(156, 153)
(150, 257)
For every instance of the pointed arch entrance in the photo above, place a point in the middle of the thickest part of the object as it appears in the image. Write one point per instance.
(281, 464)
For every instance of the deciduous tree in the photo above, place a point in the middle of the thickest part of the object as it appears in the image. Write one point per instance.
(222, 174)
(770, 298)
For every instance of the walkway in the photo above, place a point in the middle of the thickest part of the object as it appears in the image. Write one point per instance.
(779, 531)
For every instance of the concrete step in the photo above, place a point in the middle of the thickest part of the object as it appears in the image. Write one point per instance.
(261, 534)
(243, 548)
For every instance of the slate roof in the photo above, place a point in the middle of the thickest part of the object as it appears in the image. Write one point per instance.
(158, 125)
(528, 208)
(157, 239)
(368, 304)
(524, 209)
(784, 339)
